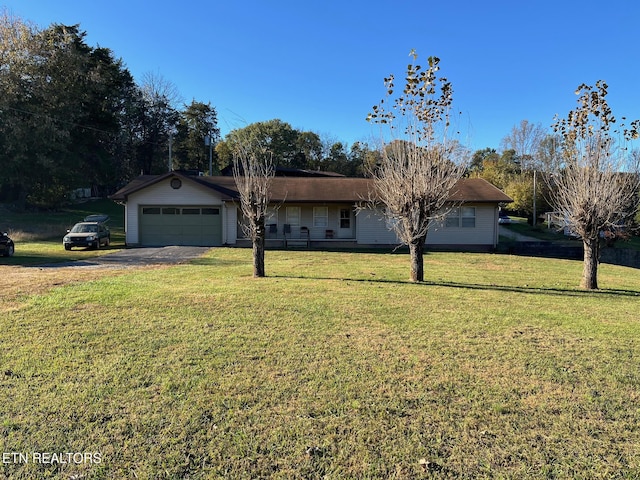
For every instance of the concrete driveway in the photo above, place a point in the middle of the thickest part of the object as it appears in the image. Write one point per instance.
(505, 232)
(138, 257)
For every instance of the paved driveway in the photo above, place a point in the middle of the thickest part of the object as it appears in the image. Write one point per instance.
(138, 257)
(505, 232)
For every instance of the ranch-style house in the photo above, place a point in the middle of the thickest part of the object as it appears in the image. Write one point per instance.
(177, 208)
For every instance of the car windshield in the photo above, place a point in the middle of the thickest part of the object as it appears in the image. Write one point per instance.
(84, 228)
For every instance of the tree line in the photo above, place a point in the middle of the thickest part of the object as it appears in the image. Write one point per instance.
(72, 115)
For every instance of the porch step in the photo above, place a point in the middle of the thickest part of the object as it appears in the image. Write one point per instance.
(296, 243)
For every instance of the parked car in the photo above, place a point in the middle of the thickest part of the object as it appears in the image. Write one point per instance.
(503, 217)
(7, 247)
(91, 233)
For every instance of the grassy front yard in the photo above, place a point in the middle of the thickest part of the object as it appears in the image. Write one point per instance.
(332, 367)
(38, 235)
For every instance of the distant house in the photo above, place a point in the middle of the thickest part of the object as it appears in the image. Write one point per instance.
(180, 209)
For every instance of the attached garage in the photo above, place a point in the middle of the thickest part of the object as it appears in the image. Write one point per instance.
(176, 209)
(180, 225)
(179, 209)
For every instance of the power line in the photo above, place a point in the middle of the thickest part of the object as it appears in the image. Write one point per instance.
(73, 124)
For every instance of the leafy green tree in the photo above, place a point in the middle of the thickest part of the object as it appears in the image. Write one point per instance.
(60, 107)
(478, 159)
(297, 149)
(275, 135)
(99, 149)
(309, 147)
(290, 147)
(197, 121)
(499, 170)
(520, 189)
(33, 125)
(337, 159)
(362, 159)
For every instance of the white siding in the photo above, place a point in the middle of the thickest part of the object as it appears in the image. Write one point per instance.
(161, 193)
(368, 226)
(484, 232)
(373, 230)
(230, 223)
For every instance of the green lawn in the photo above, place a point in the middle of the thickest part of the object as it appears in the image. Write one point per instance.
(38, 235)
(53, 225)
(332, 367)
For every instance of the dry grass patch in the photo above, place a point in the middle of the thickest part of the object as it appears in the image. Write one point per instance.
(20, 283)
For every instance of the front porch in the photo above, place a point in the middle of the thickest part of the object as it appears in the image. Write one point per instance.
(304, 240)
(307, 226)
(278, 244)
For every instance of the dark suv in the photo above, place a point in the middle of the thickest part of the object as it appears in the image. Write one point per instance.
(6, 245)
(92, 233)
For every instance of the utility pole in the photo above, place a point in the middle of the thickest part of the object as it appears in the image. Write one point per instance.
(209, 143)
(170, 151)
(534, 198)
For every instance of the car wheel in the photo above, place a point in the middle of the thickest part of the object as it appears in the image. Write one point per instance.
(67, 247)
(107, 242)
(97, 245)
(10, 251)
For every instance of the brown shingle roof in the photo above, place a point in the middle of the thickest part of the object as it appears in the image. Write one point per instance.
(317, 189)
(478, 190)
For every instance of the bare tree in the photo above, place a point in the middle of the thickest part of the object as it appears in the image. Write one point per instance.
(525, 140)
(596, 177)
(253, 171)
(418, 170)
(158, 119)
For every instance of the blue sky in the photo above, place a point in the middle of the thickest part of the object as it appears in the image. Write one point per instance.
(319, 65)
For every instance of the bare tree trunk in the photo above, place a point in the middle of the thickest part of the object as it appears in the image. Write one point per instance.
(419, 163)
(258, 252)
(252, 172)
(590, 267)
(416, 250)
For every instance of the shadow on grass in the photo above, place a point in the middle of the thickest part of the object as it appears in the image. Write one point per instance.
(217, 262)
(564, 292)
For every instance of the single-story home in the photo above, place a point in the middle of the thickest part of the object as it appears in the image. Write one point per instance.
(176, 208)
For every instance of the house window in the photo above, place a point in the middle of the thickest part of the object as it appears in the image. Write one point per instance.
(293, 216)
(320, 216)
(468, 217)
(464, 217)
(345, 218)
(271, 215)
(452, 219)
